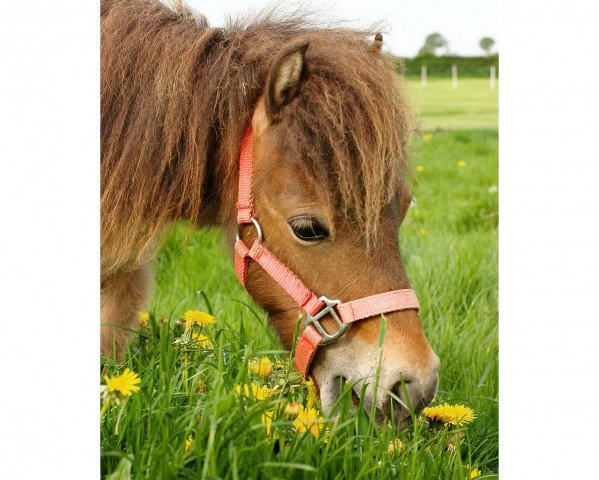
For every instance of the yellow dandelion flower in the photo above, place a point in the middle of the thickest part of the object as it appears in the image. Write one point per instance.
(474, 473)
(261, 366)
(420, 168)
(427, 137)
(125, 384)
(422, 231)
(257, 391)
(266, 419)
(143, 318)
(201, 341)
(395, 447)
(291, 409)
(308, 419)
(450, 414)
(195, 317)
(461, 163)
(188, 443)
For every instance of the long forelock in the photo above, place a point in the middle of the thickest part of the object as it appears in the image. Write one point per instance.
(352, 125)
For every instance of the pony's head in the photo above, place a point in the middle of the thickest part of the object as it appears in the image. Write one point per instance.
(331, 132)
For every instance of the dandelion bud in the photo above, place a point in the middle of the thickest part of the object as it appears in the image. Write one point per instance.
(292, 409)
(261, 366)
(395, 447)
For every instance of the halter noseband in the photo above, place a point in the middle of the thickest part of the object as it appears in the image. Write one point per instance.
(344, 314)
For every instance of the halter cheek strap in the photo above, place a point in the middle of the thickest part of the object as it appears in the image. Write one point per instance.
(344, 314)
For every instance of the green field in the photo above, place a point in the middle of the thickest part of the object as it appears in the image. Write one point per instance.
(472, 105)
(449, 244)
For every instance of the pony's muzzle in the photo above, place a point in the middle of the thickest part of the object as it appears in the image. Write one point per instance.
(398, 394)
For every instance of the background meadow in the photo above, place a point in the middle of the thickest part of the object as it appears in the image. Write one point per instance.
(188, 421)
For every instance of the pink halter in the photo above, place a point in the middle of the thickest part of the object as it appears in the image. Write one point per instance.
(316, 308)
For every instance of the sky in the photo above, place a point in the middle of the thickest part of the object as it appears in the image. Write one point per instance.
(462, 22)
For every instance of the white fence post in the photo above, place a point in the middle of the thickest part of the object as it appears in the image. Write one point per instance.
(492, 78)
(454, 76)
(423, 75)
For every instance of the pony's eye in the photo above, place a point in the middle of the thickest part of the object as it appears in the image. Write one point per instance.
(308, 229)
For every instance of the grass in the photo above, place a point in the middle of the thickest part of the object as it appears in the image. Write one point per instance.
(449, 245)
(472, 105)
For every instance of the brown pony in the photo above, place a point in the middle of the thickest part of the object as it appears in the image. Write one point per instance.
(331, 132)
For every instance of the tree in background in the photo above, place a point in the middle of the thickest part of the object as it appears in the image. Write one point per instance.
(433, 42)
(486, 44)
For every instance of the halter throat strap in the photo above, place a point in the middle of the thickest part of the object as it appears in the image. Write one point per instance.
(344, 314)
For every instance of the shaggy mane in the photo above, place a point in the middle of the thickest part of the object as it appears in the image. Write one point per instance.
(177, 96)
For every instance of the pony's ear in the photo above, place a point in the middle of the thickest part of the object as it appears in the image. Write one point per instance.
(285, 76)
(377, 43)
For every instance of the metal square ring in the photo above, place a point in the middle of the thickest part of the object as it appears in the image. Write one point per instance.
(329, 309)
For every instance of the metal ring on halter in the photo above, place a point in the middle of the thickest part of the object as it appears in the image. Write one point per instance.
(328, 309)
(256, 225)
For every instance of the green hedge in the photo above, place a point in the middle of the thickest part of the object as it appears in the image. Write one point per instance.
(441, 66)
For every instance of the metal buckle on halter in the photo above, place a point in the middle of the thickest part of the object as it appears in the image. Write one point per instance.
(328, 309)
(256, 226)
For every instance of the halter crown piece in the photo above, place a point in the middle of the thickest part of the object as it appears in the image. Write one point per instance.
(344, 314)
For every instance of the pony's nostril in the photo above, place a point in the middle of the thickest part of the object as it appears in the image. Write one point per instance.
(403, 387)
(398, 388)
(341, 383)
(414, 394)
(355, 400)
(411, 399)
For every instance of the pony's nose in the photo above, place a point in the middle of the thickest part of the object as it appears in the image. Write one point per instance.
(414, 393)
